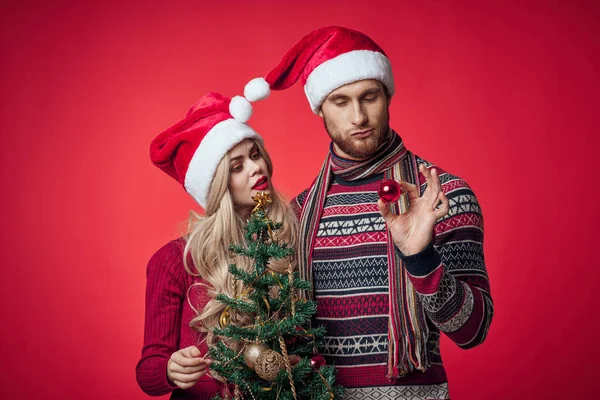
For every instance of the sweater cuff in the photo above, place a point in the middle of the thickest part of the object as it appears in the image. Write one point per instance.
(422, 263)
(160, 384)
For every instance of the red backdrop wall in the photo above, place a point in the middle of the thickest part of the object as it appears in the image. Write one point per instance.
(504, 95)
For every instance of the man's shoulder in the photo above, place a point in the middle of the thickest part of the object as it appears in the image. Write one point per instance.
(300, 198)
(450, 182)
(298, 202)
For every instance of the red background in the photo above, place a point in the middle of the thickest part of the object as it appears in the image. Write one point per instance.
(504, 95)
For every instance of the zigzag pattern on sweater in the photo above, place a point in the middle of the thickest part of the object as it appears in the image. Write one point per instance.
(353, 198)
(353, 273)
(352, 267)
(338, 226)
(462, 256)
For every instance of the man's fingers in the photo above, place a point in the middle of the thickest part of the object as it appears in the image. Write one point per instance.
(433, 184)
(444, 207)
(384, 210)
(434, 188)
(410, 189)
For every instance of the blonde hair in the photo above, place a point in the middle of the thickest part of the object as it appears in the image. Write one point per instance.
(208, 240)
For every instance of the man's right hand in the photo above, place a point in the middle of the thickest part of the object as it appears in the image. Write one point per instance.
(186, 367)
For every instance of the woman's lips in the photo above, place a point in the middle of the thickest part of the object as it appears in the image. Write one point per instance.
(261, 184)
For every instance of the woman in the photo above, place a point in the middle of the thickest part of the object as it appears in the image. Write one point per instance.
(222, 164)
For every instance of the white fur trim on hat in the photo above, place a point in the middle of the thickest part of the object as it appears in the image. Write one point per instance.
(217, 142)
(347, 68)
(257, 89)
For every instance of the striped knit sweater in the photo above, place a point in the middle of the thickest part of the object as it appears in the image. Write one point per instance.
(166, 328)
(351, 286)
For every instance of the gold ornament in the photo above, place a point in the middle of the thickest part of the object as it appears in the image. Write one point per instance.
(253, 350)
(268, 364)
(268, 305)
(261, 199)
(225, 318)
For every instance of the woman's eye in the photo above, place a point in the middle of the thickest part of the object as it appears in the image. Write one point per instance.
(236, 168)
(255, 156)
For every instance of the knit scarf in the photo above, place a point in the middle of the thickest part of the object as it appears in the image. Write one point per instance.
(407, 329)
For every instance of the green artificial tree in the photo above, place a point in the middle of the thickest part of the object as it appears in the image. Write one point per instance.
(253, 359)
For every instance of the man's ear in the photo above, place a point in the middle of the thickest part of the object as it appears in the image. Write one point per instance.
(321, 111)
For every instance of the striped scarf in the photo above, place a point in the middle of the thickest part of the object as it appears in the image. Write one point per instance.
(408, 331)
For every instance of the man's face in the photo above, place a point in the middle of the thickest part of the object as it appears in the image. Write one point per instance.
(356, 118)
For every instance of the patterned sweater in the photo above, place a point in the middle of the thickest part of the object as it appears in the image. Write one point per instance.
(350, 275)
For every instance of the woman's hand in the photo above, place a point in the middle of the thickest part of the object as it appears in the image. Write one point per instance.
(186, 367)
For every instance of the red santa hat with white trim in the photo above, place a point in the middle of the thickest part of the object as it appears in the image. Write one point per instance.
(325, 60)
(191, 150)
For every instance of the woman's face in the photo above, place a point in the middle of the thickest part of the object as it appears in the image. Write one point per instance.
(248, 175)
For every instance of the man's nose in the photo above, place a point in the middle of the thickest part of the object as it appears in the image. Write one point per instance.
(359, 116)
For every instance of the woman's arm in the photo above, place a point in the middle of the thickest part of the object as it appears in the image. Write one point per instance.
(166, 286)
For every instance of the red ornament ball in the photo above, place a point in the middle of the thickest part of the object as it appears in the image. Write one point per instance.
(389, 190)
(317, 361)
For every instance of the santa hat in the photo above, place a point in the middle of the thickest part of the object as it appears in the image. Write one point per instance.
(325, 60)
(191, 150)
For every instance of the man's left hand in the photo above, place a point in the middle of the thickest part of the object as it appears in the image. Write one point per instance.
(412, 231)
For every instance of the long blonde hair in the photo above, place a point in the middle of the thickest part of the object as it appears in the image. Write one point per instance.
(210, 235)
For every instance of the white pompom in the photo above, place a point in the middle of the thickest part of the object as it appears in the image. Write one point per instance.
(257, 89)
(240, 108)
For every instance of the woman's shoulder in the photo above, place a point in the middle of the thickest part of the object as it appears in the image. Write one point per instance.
(172, 250)
(168, 259)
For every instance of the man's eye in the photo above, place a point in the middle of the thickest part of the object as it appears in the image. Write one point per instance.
(370, 98)
(340, 103)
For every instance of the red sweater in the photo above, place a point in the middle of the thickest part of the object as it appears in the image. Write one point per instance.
(166, 327)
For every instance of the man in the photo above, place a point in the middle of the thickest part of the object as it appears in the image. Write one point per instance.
(388, 278)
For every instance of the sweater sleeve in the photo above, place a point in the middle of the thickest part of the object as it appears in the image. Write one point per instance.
(165, 293)
(450, 275)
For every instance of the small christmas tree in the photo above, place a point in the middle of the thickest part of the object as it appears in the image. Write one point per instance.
(254, 358)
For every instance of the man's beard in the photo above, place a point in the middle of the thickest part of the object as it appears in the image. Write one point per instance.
(359, 148)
